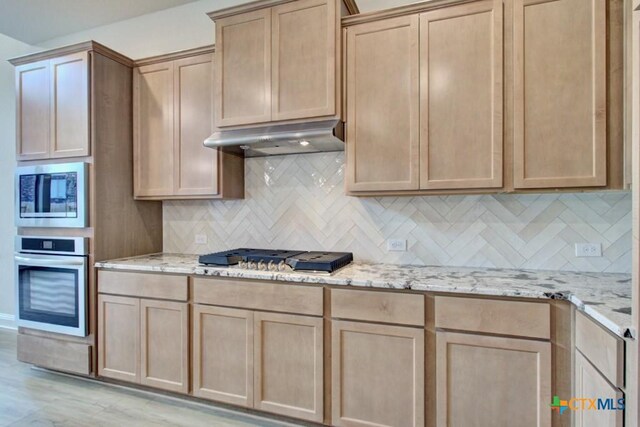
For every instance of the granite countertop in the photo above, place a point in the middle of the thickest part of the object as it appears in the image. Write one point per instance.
(606, 297)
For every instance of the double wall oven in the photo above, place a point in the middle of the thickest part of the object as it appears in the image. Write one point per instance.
(51, 273)
(51, 284)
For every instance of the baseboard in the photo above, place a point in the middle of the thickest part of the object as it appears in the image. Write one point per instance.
(8, 321)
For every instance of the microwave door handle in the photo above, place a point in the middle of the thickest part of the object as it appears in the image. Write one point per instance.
(48, 261)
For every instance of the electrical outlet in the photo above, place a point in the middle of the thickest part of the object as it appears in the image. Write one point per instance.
(397, 245)
(201, 239)
(588, 249)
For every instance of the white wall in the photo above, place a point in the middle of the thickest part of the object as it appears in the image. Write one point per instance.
(8, 48)
(168, 30)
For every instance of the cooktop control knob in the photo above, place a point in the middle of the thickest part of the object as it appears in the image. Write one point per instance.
(272, 266)
(282, 266)
(262, 265)
(252, 265)
(243, 264)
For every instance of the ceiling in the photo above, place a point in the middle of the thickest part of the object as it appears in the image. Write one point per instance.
(34, 21)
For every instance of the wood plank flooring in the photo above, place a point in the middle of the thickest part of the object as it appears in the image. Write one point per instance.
(31, 397)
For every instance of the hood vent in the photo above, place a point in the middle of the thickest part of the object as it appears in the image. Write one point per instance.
(276, 140)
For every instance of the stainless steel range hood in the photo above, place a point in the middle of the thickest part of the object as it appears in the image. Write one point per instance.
(273, 140)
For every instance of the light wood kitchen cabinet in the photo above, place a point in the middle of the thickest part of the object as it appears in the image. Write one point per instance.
(303, 68)
(173, 115)
(243, 69)
(488, 380)
(278, 61)
(377, 374)
(589, 383)
(560, 99)
(383, 105)
(164, 348)
(119, 335)
(144, 340)
(461, 96)
(288, 365)
(223, 354)
(53, 107)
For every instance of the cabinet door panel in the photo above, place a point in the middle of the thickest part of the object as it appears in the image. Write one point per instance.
(153, 129)
(477, 374)
(196, 167)
(461, 96)
(560, 93)
(164, 337)
(243, 69)
(32, 117)
(591, 384)
(304, 59)
(377, 375)
(382, 105)
(119, 335)
(223, 354)
(70, 105)
(288, 357)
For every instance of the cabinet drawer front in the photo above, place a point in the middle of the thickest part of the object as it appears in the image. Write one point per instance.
(518, 318)
(257, 295)
(160, 286)
(386, 307)
(53, 354)
(604, 350)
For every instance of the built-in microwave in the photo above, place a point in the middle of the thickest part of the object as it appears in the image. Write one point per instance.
(52, 195)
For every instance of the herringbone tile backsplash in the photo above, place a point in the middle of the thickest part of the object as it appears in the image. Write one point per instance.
(298, 202)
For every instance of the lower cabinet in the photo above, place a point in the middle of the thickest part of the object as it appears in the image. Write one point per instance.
(377, 374)
(492, 381)
(144, 341)
(267, 361)
(592, 384)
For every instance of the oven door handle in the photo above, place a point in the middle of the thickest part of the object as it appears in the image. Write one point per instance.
(36, 260)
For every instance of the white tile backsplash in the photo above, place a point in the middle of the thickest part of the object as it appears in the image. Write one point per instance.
(298, 202)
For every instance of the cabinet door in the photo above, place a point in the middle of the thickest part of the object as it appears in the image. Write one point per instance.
(560, 93)
(288, 365)
(119, 338)
(591, 384)
(70, 105)
(243, 69)
(304, 59)
(164, 327)
(153, 129)
(492, 381)
(377, 375)
(382, 105)
(196, 167)
(461, 96)
(223, 354)
(32, 113)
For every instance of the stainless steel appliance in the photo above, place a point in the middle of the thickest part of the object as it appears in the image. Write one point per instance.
(51, 284)
(52, 195)
(277, 260)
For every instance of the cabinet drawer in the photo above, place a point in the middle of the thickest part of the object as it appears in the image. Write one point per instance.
(159, 286)
(518, 318)
(54, 354)
(386, 307)
(601, 348)
(259, 295)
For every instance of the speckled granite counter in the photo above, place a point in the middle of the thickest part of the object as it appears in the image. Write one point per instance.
(606, 297)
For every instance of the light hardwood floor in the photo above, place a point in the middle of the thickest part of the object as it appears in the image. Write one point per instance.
(31, 397)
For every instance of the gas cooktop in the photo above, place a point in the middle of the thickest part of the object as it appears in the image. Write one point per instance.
(278, 260)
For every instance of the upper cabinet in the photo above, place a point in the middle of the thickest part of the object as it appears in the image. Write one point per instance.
(560, 103)
(277, 61)
(481, 97)
(52, 119)
(173, 115)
